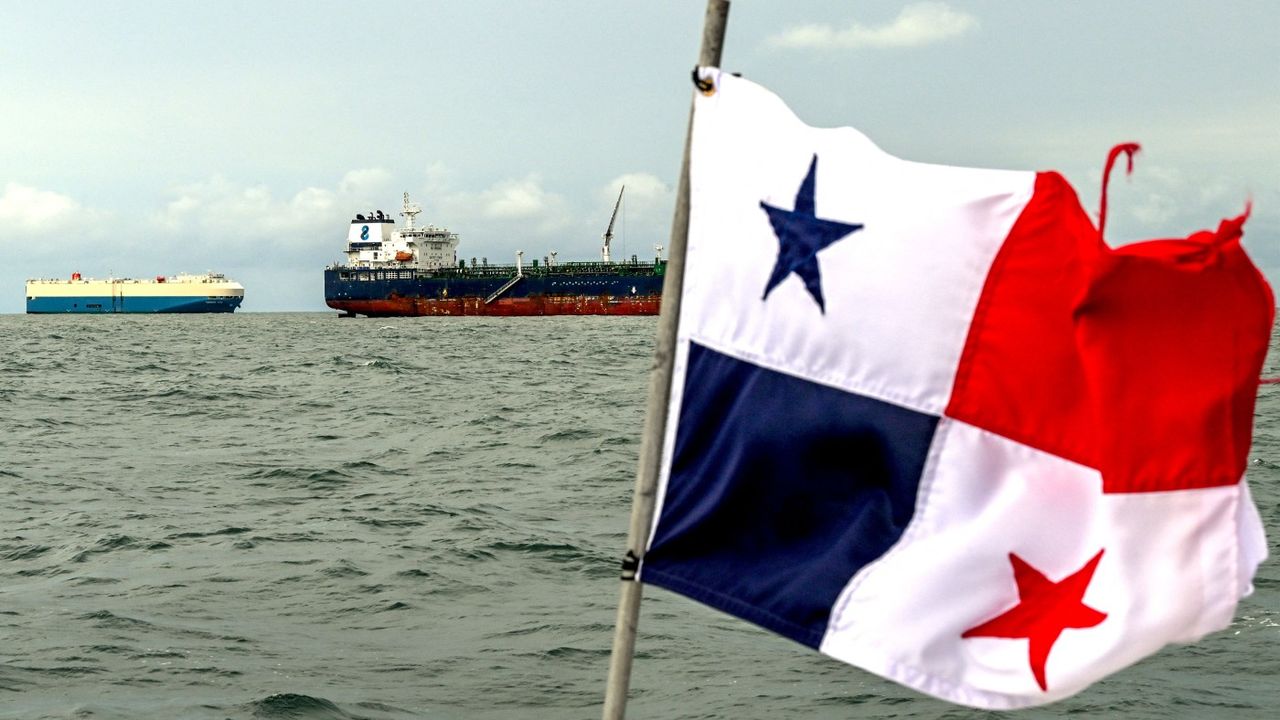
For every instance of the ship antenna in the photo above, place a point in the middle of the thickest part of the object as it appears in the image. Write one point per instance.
(410, 210)
(608, 233)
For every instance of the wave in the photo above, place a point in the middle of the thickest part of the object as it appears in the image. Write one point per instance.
(292, 706)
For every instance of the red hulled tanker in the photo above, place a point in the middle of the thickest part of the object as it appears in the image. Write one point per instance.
(413, 271)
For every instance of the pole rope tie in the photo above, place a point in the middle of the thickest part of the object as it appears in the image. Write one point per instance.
(630, 566)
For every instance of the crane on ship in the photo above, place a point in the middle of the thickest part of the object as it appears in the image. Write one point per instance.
(608, 233)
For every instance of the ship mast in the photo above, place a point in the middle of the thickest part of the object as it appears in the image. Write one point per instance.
(608, 233)
(409, 211)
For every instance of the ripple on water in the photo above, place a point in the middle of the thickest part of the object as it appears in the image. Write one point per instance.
(292, 706)
(292, 516)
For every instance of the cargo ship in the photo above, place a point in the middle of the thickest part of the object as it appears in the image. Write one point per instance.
(207, 293)
(415, 271)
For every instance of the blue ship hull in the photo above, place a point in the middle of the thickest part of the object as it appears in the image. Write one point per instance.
(118, 304)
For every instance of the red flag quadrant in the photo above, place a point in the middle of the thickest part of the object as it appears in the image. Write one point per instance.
(926, 421)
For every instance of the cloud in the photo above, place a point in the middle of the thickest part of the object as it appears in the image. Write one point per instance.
(216, 223)
(368, 184)
(438, 178)
(1165, 201)
(519, 199)
(242, 225)
(647, 199)
(1153, 200)
(1156, 210)
(918, 24)
(31, 210)
(642, 188)
(235, 215)
(522, 204)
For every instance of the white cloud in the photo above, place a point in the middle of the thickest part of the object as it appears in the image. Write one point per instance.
(1218, 191)
(524, 204)
(368, 184)
(1149, 196)
(519, 199)
(231, 214)
(31, 210)
(438, 178)
(1156, 210)
(646, 200)
(1161, 201)
(918, 24)
(215, 223)
(641, 188)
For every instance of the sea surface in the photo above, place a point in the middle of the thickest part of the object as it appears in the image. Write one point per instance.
(301, 516)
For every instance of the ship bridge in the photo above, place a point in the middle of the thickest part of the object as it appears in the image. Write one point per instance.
(374, 241)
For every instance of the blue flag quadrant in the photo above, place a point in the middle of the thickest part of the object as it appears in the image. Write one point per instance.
(780, 490)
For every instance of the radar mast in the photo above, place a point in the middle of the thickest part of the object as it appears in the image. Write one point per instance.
(410, 210)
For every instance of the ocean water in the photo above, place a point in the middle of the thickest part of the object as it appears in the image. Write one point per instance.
(300, 516)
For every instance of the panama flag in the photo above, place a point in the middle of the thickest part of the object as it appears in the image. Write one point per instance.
(924, 420)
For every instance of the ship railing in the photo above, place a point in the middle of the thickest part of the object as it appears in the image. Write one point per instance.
(625, 268)
(390, 272)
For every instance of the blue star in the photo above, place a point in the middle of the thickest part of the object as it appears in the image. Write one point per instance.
(801, 234)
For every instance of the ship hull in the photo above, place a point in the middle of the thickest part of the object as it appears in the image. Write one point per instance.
(88, 304)
(509, 307)
(597, 289)
(208, 293)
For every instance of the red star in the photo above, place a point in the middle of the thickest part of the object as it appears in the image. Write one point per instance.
(1045, 608)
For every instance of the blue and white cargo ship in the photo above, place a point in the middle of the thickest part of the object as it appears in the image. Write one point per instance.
(207, 293)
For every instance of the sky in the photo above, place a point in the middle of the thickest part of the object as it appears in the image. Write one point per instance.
(147, 138)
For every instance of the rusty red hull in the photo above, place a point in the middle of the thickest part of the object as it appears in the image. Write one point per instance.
(507, 307)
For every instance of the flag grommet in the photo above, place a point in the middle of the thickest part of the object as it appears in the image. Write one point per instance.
(706, 87)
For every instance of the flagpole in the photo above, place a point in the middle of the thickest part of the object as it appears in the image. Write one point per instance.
(624, 634)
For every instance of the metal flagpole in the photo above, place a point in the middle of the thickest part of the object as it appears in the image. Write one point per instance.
(624, 634)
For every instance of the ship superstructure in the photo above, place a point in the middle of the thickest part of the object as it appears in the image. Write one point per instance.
(415, 270)
(374, 241)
